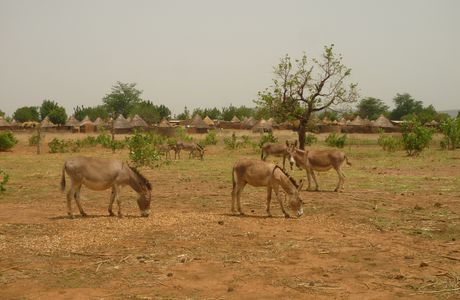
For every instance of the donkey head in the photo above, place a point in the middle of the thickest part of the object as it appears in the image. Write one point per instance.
(296, 201)
(144, 188)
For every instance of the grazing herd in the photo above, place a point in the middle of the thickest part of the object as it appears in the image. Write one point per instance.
(102, 174)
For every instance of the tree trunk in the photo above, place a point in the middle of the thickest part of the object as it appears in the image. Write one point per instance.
(301, 132)
(39, 138)
(112, 131)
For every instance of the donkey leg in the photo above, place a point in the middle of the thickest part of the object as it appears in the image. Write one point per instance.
(117, 197)
(233, 199)
(314, 179)
(269, 199)
(286, 215)
(339, 184)
(309, 179)
(112, 199)
(70, 195)
(238, 197)
(77, 199)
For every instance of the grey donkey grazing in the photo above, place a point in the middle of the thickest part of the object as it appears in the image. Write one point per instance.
(259, 173)
(100, 174)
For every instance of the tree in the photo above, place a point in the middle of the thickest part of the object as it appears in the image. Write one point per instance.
(371, 108)
(405, 105)
(150, 112)
(2, 114)
(213, 113)
(184, 115)
(123, 98)
(307, 87)
(26, 113)
(58, 115)
(240, 112)
(330, 114)
(99, 111)
(46, 107)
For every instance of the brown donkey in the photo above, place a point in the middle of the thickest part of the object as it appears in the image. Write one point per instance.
(278, 150)
(319, 160)
(259, 173)
(100, 174)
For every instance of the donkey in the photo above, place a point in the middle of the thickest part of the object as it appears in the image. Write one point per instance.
(259, 173)
(100, 174)
(278, 150)
(319, 160)
(192, 147)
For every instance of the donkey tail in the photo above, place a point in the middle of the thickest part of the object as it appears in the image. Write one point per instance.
(348, 163)
(63, 179)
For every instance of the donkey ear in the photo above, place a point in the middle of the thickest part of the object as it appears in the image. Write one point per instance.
(287, 143)
(295, 143)
(300, 184)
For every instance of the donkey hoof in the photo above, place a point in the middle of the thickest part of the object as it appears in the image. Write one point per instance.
(70, 216)
(287, 216)
(83, 214)
(120, 216)
(111, 214)
(242, 213)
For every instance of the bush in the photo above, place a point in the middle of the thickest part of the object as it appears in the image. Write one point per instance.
(232, 142)
(5, 177)
(335, 140)
(181, 135)
(210, 139)
(33, 140)
(450, 128)
(267, 138)
(104, 139)
(7, 140)
(310, 139)
(89, 141)
(142, 150)
(389, 143)
(415, 137)
(57, 146)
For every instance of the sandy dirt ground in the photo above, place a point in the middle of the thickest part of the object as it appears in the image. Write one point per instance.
(392, 234)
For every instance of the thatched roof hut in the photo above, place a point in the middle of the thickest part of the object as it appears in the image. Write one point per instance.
(249, 123)
(138, 122)
(382, 122)
(4, 124)
(235, 120)
(197, 125)
(164, 123)
(46, 124)
(72, 122)
(358, 121)
(121, 125)
(209, 121)
(262, 126)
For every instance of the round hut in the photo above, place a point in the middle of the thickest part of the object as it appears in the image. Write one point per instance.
(197, 125)
(4, 125)
(72, 124)
(209, 121)
(121, 125)
(165, 128)
(262, 126)
(86, 125)
(100, 124)
(138, 123)
(383, 123)
(47, 125)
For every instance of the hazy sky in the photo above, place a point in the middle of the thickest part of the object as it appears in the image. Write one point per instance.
(213, 53)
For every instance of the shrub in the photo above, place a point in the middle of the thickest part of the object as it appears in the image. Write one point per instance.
(57, 146)
(181, 135)
(335, 140)
(89, 141)
(389, 143)
(142, 150)
(33, 140)
(210, 139)
(104, 139)
(415, 137)
(7, 140)
(450, 128)
(5, 177)
(310, 139)
(267, 138)
(232, 142)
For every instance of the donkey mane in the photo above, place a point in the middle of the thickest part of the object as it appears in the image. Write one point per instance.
(141, 177)
(287, 175)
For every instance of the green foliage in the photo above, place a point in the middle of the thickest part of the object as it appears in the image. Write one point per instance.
(33, 140)
(2, 114)
(99, 111)
(142, 150)
(334, 140)
(5, 177)
(150, 112)
(310, 139)
(58, 116)
(450, 128)
(240, 112)
(26, 113)
(47, 107)
(330, 114)
(210, 139)
(232, 142)
(371, 108)
(57, 146)
(416, 137)
(181, 135)
(267, 138)
(123, 98)
(405, 105)
(388, 142)
(7, 140)
(184, 115)
(213, 113)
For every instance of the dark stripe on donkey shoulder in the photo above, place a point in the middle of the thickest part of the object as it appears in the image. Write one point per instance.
(144, 180)
(287, 175)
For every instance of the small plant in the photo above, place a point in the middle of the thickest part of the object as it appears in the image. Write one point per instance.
(142, 150)
(57, 146)
(181, 135)
(7, 141)
(232, 142)
(389, 143)
(415, 137)
(267, 138)
(210, 139)
(4, 180)
(89, 141)
(310, 139)
(450, 128)
(104, 139)
(33, 140)
(335, 140)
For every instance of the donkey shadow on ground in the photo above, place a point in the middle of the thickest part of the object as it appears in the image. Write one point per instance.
(93, 217)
